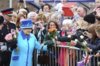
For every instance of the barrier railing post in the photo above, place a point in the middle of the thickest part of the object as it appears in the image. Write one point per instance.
(73, 55)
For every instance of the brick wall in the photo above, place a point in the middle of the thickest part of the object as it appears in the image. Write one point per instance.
(5, 4)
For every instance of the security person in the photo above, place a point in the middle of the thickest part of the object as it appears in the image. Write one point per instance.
(7, 27)
(3, 47)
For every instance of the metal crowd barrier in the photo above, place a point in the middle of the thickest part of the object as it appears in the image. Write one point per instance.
(66, 56)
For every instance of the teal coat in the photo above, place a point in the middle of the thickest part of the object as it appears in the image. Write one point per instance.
(26, 45)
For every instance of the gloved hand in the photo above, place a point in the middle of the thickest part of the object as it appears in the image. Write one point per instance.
(3, 48)
(49, 44)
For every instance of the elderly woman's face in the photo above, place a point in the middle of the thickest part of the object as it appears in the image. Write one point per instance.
(27, 31)
(64, 27)
(34, 18)
(81, 11)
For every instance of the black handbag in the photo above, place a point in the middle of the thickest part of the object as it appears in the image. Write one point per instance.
(43, 58)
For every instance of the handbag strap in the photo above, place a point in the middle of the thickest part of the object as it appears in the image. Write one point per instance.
(41, 50)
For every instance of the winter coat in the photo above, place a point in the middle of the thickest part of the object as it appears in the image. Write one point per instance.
(22, 56)
(94, 45)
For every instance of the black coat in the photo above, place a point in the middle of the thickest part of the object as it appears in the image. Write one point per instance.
(5, 55)
(79, 32)
(94, 45)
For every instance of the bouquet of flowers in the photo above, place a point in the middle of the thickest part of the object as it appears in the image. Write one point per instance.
(52, 33)
(84, 44)
(81, 42)
(11, 36)
(84, 47)
(11, 39)
(50, 37)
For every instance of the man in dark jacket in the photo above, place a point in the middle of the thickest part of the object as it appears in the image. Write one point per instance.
(7, 27)
(3, 46)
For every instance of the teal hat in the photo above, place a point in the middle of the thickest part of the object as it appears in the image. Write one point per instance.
(26, 23)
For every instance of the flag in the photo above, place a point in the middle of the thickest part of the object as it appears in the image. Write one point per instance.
(81, 63)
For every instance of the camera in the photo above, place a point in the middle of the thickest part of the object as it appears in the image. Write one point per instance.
(37, 24)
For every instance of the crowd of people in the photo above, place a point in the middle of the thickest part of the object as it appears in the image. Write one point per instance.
(22, 31)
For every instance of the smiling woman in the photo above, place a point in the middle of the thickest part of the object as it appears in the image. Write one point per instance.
(27, 31)
(26, 43)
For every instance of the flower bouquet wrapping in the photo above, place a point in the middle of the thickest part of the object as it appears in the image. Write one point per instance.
(81, 43)
(52, 33)
(84, 47)
(11, 39)
(11, 36)
(50, 37)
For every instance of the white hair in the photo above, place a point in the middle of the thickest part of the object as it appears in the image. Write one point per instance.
(67, 21)
(30, 14)
(22, 10)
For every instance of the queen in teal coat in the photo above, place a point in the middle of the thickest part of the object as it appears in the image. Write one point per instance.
(26, 43)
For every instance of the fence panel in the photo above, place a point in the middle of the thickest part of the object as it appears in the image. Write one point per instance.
(67, 56)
